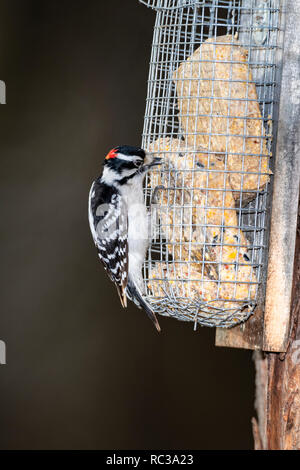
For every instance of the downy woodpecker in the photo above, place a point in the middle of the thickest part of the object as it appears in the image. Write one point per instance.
(119, 221)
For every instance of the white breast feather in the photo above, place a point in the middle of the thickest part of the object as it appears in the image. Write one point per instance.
(138, 229)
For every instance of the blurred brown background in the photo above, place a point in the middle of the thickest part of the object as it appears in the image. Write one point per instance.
(81, 372)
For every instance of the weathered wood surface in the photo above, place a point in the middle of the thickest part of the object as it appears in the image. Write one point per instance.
(248, 335)
(278, 383)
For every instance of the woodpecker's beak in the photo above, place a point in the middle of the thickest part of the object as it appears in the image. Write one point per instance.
(156, 161)
(150, 161)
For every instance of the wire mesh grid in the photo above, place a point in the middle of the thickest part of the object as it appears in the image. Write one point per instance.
(210, 107)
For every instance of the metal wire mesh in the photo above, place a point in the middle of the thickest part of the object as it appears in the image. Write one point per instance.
(210, 107)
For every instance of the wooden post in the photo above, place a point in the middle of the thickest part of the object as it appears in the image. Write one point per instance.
(278, 384)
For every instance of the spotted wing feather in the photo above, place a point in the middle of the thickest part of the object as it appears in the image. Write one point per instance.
(108, 223)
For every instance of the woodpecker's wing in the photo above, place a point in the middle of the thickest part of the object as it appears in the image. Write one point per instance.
(108, 224)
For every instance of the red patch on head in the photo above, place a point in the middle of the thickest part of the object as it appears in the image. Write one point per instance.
(111, 154)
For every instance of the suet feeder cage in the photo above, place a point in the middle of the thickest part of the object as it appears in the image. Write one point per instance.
(212, 113)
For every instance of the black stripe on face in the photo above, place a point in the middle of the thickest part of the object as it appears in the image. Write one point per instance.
(119, 165)
(126, 179)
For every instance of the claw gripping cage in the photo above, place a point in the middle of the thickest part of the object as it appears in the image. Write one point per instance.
(210, 107)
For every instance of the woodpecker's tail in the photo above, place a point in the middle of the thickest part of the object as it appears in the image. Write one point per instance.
(134, 294)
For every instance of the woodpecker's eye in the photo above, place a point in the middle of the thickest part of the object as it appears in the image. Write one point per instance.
(138, 163)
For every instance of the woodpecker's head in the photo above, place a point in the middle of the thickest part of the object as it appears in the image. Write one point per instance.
(123, 163)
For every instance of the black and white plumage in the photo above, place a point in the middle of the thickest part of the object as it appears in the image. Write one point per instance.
(119, 221)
